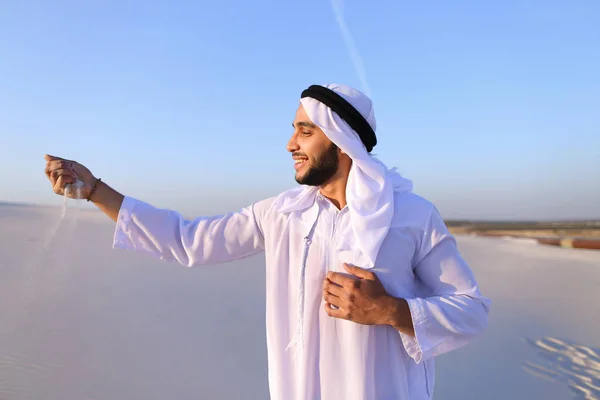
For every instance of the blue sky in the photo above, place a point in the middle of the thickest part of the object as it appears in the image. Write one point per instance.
(491, 108)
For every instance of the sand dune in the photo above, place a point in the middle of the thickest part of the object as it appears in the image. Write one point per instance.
(83, 321)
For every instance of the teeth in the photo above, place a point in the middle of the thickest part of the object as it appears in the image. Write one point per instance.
(299, 161)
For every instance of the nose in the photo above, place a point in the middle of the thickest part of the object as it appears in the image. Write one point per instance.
(292, 145)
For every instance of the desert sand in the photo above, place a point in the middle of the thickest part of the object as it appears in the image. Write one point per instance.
(80, 320)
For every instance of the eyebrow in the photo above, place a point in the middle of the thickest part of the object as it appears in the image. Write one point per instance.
(304, 124)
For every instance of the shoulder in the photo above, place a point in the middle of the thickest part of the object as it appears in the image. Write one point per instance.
(419, 215)
(420, 218)
(263, 206)
(292, 199)
(412, 210)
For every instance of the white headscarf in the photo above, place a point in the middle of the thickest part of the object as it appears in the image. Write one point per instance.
(371, 185)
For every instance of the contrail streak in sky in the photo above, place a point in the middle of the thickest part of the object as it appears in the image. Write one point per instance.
(338, 9)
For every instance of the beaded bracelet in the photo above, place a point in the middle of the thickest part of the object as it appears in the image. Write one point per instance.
(89, 198)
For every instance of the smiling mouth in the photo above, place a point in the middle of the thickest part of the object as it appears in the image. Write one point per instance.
(299, 163)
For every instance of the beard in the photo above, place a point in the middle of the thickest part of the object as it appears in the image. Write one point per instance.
(325, 167)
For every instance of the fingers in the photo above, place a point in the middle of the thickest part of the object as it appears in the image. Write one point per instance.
(359, 272)
(48, 157)
(60, 177)
(341, 279)
(60, 172)
(330, 287)
(55, 174)
(335, 295)
(57, 165)
(334, 300)
(59, 185)
(335, 312)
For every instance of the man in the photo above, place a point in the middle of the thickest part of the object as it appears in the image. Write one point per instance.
(365, 285)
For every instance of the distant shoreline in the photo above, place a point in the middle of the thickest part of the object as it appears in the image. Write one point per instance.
(583, 234)
(567, 234)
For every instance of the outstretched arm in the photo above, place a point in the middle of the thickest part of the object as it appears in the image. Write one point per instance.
(107, 199)
(162, 233)
(165, 234)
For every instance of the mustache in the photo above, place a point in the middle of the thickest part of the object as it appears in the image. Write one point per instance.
(296, 154)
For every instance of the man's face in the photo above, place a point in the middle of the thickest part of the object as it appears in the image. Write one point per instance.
(316, 157)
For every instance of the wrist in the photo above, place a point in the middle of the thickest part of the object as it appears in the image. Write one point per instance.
(93, 189)
(397, 314)
(387, 310)
(88, 180)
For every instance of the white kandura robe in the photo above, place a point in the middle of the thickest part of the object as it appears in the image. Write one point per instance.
(339, 359)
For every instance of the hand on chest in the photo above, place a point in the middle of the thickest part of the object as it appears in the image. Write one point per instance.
(393, 266)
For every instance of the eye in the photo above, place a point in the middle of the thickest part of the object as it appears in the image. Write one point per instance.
(306, 133)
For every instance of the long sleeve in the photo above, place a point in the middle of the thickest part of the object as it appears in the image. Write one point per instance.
(453, 311)
(165, 234)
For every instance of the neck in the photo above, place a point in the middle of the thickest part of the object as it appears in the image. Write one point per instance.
(335, 190)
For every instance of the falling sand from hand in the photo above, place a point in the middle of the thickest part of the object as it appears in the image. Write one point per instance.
(47, 266)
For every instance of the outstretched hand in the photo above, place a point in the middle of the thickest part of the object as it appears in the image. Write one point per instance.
(61, 172)
(360, 298)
